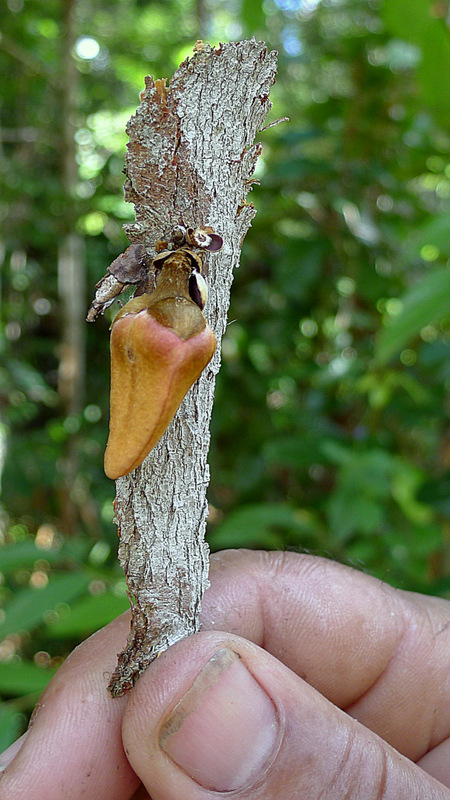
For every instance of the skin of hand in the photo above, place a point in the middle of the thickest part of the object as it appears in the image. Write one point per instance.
(309, 680)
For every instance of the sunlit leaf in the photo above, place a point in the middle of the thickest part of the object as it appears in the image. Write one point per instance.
(419, 21)
(435, 231)
(427, 302)
(406, 481)
(253, 16)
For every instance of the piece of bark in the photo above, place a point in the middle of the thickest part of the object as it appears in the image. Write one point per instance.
(191, 155)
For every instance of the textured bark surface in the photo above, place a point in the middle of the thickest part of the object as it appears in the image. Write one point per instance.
(190, 156)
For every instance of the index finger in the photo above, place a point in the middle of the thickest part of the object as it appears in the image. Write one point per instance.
(377, 652)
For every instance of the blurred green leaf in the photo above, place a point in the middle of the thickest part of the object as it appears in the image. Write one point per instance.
(435, 231)
(88, 615)
(427, 302)
(26, 609)
(23, 677)
(419, 21)
(24, 554)
(252, 15)
(295, 453)
(258, 525)
(356, 505)
(406, 481)
(11, 724)
(350, 513)
(299, 268)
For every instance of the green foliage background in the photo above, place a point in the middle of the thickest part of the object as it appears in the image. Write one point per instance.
(330, 428)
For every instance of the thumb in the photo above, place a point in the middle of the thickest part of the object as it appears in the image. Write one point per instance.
(215, 713)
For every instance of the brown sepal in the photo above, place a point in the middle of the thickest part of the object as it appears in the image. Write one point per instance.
(130, 266)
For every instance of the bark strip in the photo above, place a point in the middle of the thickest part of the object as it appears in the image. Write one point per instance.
(190, 158)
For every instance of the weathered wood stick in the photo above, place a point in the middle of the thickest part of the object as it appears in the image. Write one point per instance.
(191, 155)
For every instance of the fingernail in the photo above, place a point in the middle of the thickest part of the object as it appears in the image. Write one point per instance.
(223, 732)
(7, 756)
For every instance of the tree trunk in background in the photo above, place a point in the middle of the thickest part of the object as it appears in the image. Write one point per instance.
(71, 281)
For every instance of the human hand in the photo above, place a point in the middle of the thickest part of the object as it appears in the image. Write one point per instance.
(305, 677)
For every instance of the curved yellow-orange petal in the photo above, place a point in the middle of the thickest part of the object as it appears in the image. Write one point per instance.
(152, 368)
